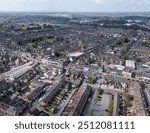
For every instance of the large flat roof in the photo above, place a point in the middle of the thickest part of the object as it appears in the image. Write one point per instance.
(130, 63)
(76, 54)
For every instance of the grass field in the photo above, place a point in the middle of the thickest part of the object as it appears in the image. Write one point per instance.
(50, 40)
(111, 104)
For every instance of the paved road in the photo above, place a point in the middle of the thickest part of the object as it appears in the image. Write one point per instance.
(86, 109)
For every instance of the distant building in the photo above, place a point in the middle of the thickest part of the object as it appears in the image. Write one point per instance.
(57, 64)
(118, 67)
(77, 54)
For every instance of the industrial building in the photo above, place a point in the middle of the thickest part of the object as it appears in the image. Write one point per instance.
(19, 71)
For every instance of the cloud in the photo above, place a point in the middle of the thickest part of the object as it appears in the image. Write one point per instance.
(99, 1)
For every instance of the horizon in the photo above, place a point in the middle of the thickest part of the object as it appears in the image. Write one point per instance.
(104, 6)
(73, 12)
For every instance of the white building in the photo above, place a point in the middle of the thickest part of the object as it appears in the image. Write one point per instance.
(76, 54)
(19, 71)
(130, 64)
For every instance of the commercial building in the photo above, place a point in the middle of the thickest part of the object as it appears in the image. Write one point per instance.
(19, 71)
(127, 73)
(130, 64)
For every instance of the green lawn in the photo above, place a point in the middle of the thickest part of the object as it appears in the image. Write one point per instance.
(111, 105)
(27, 26)
(50, 40)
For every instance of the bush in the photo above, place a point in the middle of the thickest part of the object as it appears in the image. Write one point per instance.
(18, 89)
(128, 100)
(130, 97)
(92, 80)
(142, 84)
(101, 91)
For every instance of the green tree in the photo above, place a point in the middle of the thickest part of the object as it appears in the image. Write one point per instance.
(130, 97)
(126, 57)
(91, 80)
(69, 85)
(18, 89)
(149, 109)
(119, 43)
(126, 40)
(142, 84)
(128, 100)
(138, 60)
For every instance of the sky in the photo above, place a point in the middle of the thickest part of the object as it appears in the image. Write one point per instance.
(76, 5)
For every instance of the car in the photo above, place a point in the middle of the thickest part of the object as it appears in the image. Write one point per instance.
(99, 99)
(89, 99)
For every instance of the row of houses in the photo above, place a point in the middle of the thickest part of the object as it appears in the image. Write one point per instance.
(77, 102)
(14, 108)
(52, 91)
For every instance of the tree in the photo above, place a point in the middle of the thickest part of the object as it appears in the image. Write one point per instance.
(128, 100)
(126, 40)
(18, 89)
(12, 27)
(91, 80)
(149, 109)
(142, 84)
(34, 45)
(20, 42)
(130, 97)
(138, 60)
(69, 85)
(101, 91)
(119, 43)
(81, 82)
(126, 57)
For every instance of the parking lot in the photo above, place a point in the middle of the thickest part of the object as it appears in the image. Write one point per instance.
(100, 108)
